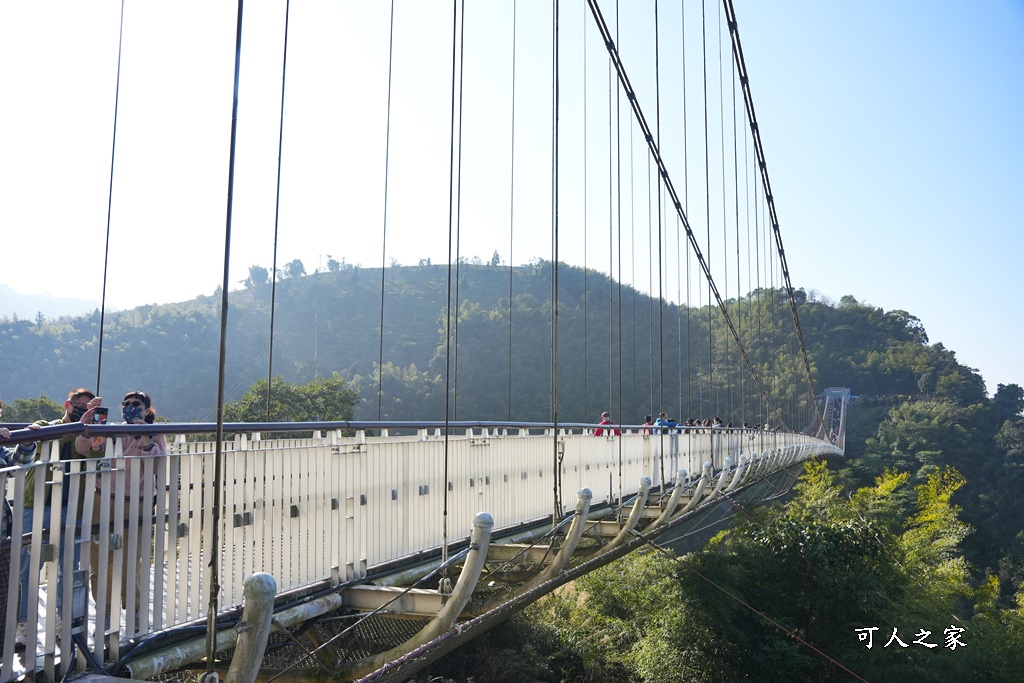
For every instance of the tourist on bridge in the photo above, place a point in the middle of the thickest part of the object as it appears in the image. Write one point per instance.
(79, 407)
(647, 423)
(22, 454)
(10, 456)
(606, 421)
(136, 408)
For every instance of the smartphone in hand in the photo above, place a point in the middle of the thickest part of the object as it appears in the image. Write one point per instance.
(99, 415)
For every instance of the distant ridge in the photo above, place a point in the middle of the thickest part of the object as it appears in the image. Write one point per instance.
(331, 322)
(13, 303)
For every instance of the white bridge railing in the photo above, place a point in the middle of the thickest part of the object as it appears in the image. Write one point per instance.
(328, 508)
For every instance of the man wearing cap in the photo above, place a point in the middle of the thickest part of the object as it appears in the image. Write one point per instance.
(606, 420)
(79, 407)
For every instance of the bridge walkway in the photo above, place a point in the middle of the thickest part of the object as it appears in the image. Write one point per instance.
(346, 518)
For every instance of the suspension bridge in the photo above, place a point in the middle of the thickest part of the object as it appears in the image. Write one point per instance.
(390, 541)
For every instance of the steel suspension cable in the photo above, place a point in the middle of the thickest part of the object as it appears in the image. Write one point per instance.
(586, 287)
(700, 349)
(611, 217)
(276, 215)
(650, 288)
(689, 342)
(384, 232)
(458, 217)
(661, 256)
(736, 201)
(277, 210)
(707, 204)
(448, 304)
(769, 281)
(746, 208)
(773, 339)
(511, 204)
(759, 304)
(110, 199)
(612, 171)
(632, 260)
(737, 49)
(618, 252)
(725, 232)
(679, 327)
(663, 171)
(686, 202)
(557, 501)
(211, 617)
(773, 320)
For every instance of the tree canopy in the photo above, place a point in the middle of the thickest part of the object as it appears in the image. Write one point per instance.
(324, 399)
(827, 587)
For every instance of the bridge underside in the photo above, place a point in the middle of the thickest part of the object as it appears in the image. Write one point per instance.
(349, 642)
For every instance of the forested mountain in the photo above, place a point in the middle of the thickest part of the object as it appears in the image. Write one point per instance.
(617, 348)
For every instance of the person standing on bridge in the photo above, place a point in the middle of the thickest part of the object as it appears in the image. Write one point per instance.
(606, 422)
(10, 456)
(648, 423)
(21, 454)
(136, 408)
(79, 407)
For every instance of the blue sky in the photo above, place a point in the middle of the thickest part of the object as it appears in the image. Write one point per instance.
(892, 132)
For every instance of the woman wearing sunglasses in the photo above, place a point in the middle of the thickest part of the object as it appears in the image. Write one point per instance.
(136, 408)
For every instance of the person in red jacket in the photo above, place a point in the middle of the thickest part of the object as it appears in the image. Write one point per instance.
(606, 420)
(649, 424)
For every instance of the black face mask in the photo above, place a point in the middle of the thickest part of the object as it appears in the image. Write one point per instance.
(76, 413)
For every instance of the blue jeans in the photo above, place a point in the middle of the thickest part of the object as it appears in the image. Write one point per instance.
(23, 576)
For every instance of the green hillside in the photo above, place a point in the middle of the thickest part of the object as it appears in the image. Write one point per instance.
(618, 349)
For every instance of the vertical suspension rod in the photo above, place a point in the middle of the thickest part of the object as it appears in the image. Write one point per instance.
(669, 187)
(554, 261)
(384, 231)
(448, 316)
(730, 14)
(110, 199)
(511, 205)
(211, 615)
(277, 210)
